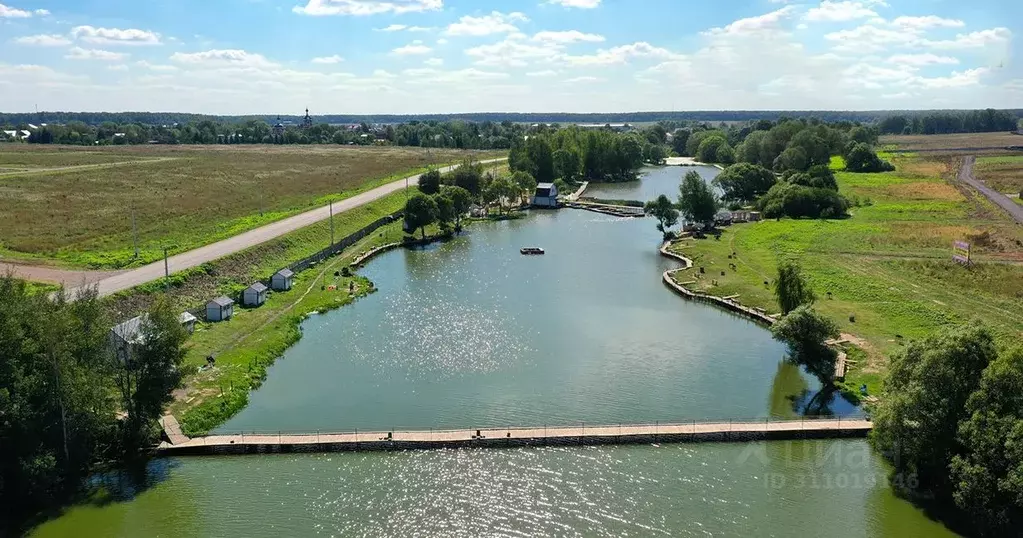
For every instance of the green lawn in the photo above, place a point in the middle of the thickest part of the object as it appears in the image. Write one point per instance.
(887, 268)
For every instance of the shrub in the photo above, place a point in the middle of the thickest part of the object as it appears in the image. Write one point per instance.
(798, 201)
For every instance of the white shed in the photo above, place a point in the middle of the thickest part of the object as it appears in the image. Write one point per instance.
(254, 295)
(282, 280)
(187, 321)
(546, 195)
(219, 309)
(124, 336)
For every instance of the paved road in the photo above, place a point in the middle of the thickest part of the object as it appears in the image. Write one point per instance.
(113, 283)
(966, 176)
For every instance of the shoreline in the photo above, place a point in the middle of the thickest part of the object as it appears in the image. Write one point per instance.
(727, 304)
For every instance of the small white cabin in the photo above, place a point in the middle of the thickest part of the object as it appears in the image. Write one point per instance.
(219, 309)
(546, 195)
(254, 295)
(282, 280)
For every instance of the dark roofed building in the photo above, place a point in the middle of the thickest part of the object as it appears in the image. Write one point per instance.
(546, 195)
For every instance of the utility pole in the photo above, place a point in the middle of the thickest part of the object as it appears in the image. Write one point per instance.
(135, 232)
(166, 265)
(331, 223)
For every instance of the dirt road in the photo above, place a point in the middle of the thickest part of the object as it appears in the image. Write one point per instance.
(113, 283)
(966, 176)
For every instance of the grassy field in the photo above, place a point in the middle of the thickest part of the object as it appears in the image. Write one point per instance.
(885, 274)
(953, 141)
(74, 205)
(1004, 174)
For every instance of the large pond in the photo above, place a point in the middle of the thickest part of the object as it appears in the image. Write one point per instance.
(654, 181)
(472, 334)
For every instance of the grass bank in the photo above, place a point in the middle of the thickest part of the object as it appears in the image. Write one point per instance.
(76, 206)
(247, 344)
(885, 274)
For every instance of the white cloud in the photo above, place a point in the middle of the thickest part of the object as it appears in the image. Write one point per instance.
(544, 73)
(869, 39)
(921, 60)
(434, 62)
(510, 52)
(767, 22)
(42, 12)
(495, 23)
(929, 21)
(13, 13)
(847, 10)
(972, 40)
(156, 67)
(222, 58)
(118, 67)
(416, 47)
(43, 40)
(403, 27)
(366, 7)
(581, 4)
(582, 80)
(570, 36)
(78, 53)
(619, 55)
(335, 59)
(970, 77)
(115, 36)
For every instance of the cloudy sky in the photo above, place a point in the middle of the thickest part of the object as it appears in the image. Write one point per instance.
(423, 56)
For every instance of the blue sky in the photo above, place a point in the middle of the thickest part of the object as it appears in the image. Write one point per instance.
(425, 56)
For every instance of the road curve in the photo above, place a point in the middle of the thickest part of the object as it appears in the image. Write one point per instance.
(186, 260)
(966, 176)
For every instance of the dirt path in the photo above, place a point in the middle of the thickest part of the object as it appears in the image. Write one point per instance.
(70, 278)
(110, 283)
(966, 176)
(80, 167)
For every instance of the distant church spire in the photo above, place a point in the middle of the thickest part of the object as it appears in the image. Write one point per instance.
(307, 121)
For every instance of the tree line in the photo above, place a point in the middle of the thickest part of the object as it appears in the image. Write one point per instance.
(952, 121)
(571, 154)
(66, 402)
(167, 118)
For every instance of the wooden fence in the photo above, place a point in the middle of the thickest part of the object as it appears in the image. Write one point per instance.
(339, 246)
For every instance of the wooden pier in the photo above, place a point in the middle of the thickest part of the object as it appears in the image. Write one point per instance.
(581, 435)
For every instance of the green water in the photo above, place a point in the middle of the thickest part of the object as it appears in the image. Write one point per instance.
(759, 489)
(471, 334)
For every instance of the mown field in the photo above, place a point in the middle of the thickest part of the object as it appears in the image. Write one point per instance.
(885, 274)
(75, 205)
(1004, 173)
(951, 142)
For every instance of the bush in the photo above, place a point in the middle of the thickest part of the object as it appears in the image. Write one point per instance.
(861, 158)
(799, 201)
